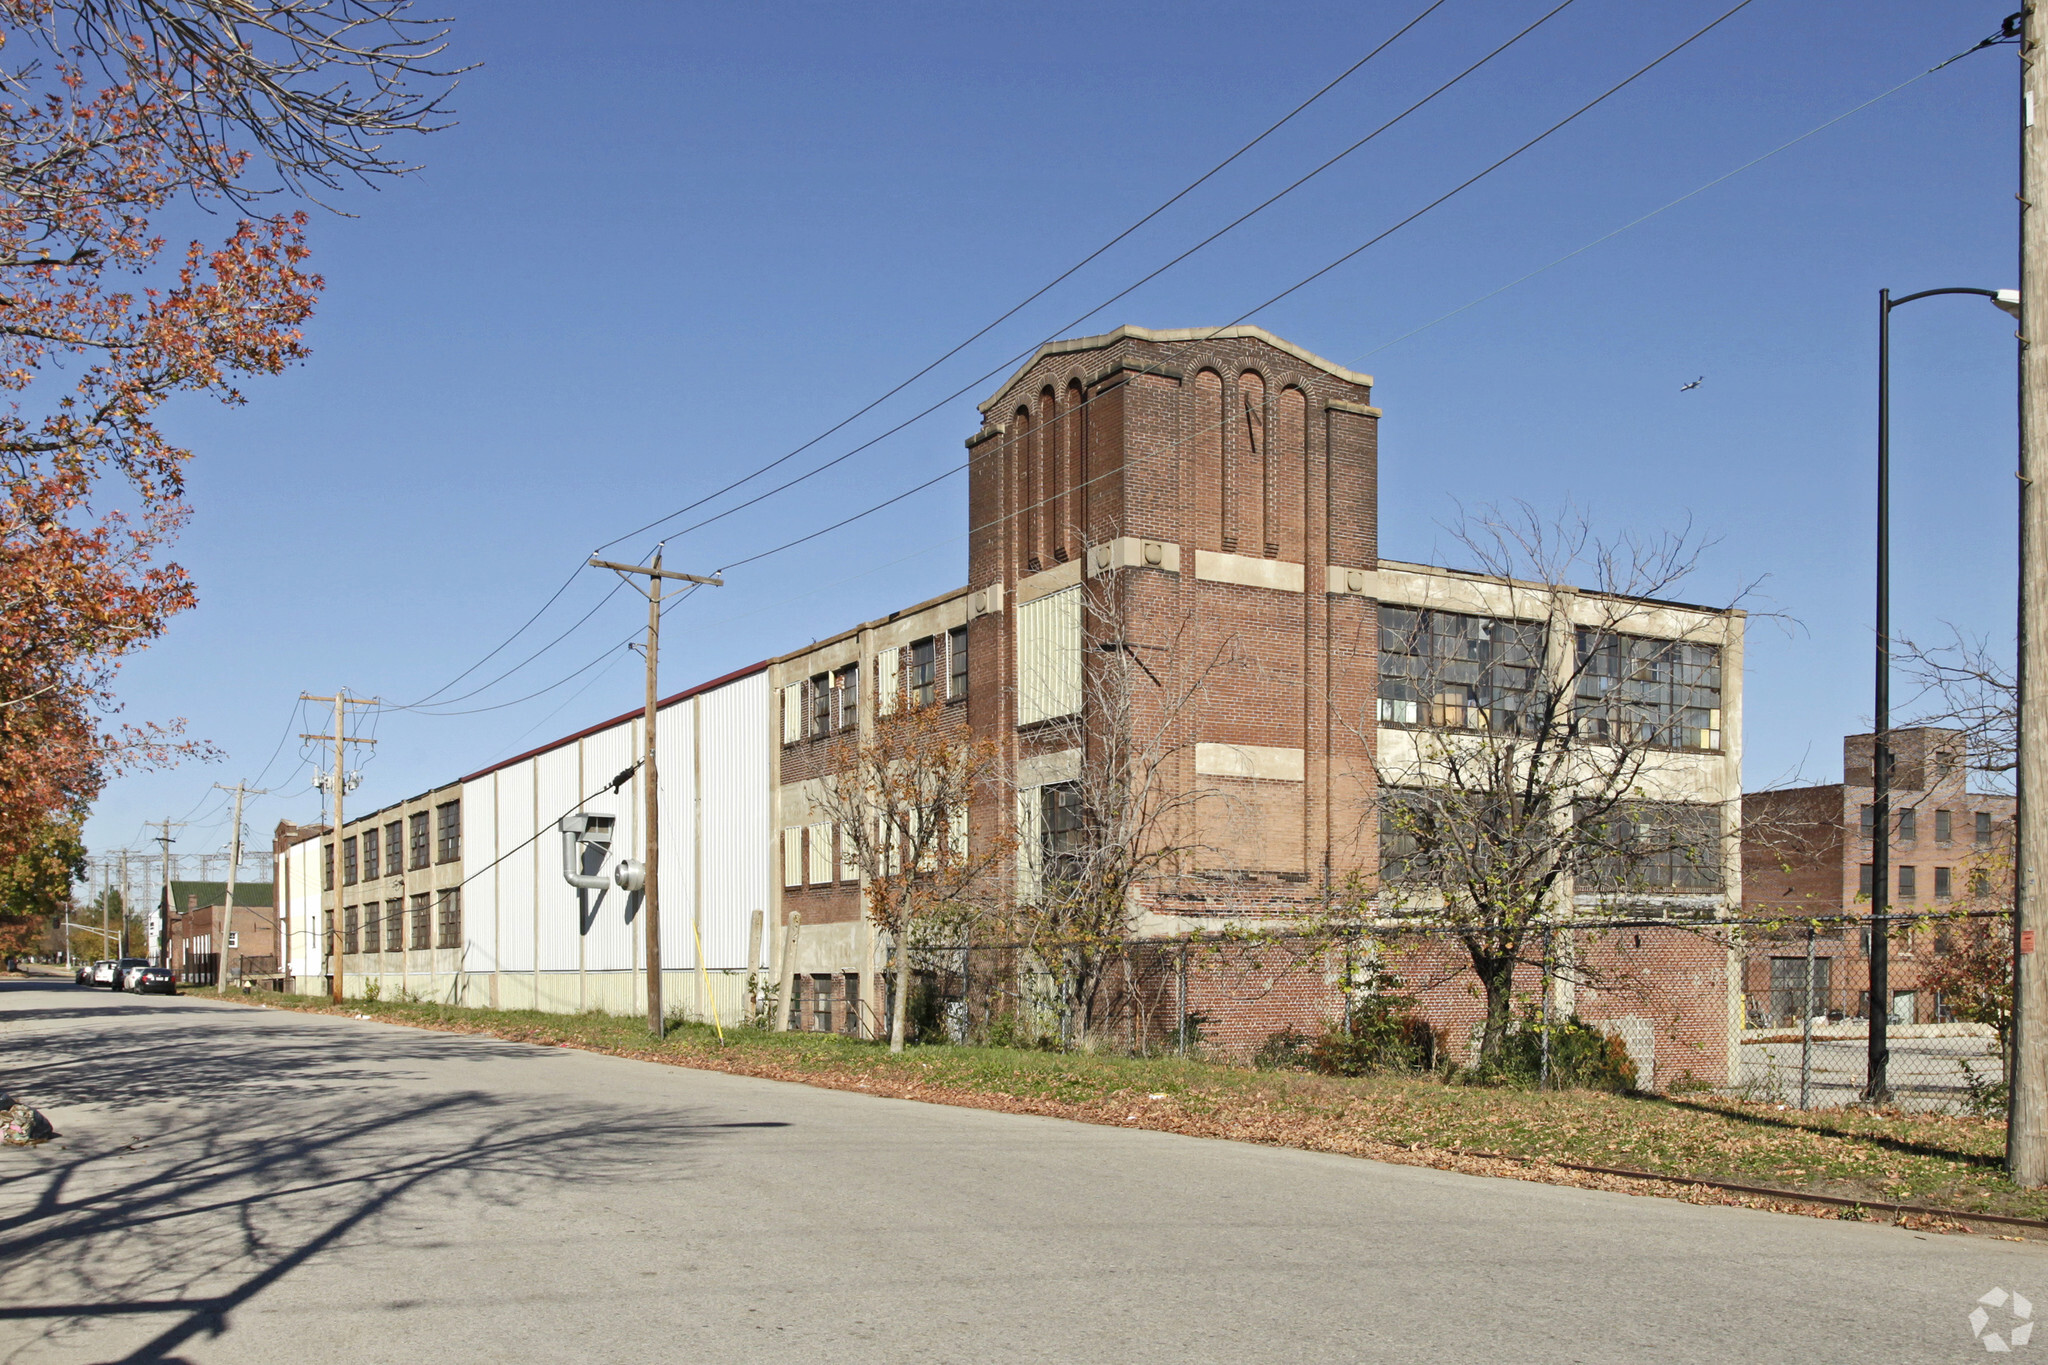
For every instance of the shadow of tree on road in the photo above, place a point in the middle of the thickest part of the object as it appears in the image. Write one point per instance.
(180, 1226)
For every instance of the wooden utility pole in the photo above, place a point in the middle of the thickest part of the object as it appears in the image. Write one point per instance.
(342, 701)
(226, 924)
(650, 904)
(2027, 1125)
(163, 838)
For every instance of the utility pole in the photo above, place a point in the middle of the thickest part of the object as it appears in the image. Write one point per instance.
(124, 906)
(650, 905)
(163, 838)
(2026, 1151)
(342, 701)
(227, 932)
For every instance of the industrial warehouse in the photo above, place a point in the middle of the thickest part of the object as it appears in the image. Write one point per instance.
(1193, 513)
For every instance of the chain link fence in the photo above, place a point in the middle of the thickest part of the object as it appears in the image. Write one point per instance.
(1766, 1010)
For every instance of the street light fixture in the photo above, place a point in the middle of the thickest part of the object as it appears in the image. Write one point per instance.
(1877, 1087)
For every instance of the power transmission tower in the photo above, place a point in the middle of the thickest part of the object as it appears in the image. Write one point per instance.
(164, 828)
(342, 701)
(227, 933)
(651, 895)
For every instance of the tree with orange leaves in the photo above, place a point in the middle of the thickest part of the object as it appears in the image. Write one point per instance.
(111, 112)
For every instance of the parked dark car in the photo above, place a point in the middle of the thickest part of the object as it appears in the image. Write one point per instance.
(118, 978)
(153, 981)
(83, 976)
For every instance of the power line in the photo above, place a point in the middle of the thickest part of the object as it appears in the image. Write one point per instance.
(1466, 184)
(1091, 311)
(1044, 289)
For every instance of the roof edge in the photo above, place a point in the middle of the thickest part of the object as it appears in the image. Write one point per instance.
(1134, 333)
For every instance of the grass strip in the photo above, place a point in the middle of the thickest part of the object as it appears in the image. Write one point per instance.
(1872, 1159)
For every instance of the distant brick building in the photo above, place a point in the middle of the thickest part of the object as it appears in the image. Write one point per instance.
(192, 914)
(1807, 854)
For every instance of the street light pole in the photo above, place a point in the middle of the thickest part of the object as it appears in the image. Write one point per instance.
(1877, 1086)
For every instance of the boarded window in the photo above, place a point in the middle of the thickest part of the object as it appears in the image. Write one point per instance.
(888, 679)
(821, 854)
(1909, 826)
(1944, 826)
(792, 713)
(1983, 829)
(1944, 883)
(1909, 883)
(849, 866)
(1049, 657)
(793, 856)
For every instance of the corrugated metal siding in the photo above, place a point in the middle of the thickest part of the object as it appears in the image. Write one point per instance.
(560, 785)
(515, 873)
(1049, 657)
(480, 890)
(608, 946)
(737, 833)
(673, 745)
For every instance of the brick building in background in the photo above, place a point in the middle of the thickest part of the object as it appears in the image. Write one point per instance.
(1807, 854)
(192, 912)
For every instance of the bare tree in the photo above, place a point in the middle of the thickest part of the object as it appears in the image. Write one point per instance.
(1130, 811)
(1531, 734)
(1964, 685)
(901, 802)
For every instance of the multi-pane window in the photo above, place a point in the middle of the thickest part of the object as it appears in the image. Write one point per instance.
(1657, 846)
(451, 918)
(1909, 883)
(956, 664)
(373, 937)
(821, 705)
(327, 867)
(422, 843)
(350, 929)
(1869, 822)
(1944, 885)
(1866, 880)
(372, 867)
(348, 862)
(1451, 671)
(924, 670)
(1943, 826)
(394, 848)
(1983, 829)
(394, 926)
(1980, 882)
(422, 921)
(849, 1016)
(1061, 829)
(1400, 830)
(1634, 690)
(821, 1004)
(448, 829)
(1909, 826)
(846, 694)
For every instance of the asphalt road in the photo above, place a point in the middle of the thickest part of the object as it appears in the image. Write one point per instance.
(236, 1184)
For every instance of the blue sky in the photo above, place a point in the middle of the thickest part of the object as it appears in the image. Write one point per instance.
(669, 242)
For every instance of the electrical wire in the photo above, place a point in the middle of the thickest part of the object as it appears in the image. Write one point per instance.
(553, 597)
(1044, 289)
(1466, 184)
(1082, 317)
(1350, 255)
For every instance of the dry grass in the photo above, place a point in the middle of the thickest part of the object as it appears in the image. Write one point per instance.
(1879, 1158)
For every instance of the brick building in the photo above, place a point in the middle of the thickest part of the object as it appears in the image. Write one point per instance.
(193, 915)
(1807, 855)
(1177, 529)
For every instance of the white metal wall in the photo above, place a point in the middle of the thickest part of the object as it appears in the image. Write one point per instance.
(521, 916)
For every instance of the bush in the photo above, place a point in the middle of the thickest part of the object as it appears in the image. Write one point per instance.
(1581, 1057)
(1286, 1050)
(1379, 1032)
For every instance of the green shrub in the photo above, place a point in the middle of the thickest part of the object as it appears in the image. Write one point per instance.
(1581, 1057)
(1286, 1050)
(1381, 1031)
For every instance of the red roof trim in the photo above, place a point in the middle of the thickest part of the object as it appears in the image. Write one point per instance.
(747, 672)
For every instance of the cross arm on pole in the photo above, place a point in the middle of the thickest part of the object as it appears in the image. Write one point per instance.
(714, 581)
